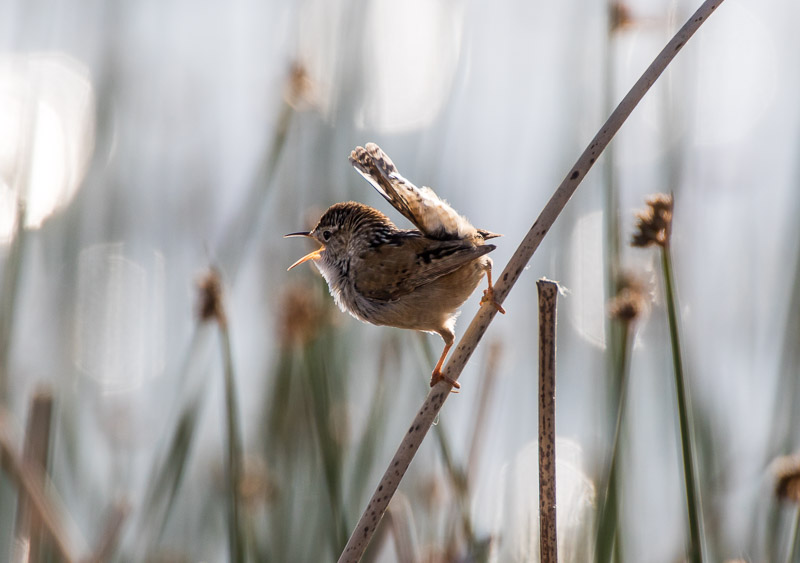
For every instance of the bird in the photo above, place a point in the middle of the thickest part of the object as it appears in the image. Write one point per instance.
(406, 278)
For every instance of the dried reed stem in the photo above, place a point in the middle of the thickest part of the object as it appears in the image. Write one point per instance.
(433, 402)
(37, 444)
(30, 481)
(110, 538)
(548, 541)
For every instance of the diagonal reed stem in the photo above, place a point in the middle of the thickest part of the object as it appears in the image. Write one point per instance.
(433, 402)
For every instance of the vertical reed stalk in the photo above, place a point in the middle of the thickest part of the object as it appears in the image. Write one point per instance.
(35, 454)
(608, 515)
(236, 543)
(794, 546)
(684, 416)
(8, 297)
(548, 539)
(29, 480)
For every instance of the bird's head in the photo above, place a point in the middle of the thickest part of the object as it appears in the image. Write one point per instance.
(341, 230)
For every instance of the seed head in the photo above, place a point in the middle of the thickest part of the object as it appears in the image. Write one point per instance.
(299, 92)
(210, 305)
(619, 16)
(787, 478)
(302, 314)
(654, 224)
(630, 301)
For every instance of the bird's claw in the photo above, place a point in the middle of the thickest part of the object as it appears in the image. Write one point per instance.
(488, 297)
(437, 376)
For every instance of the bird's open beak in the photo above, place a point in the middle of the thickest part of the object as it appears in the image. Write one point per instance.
(310, 256)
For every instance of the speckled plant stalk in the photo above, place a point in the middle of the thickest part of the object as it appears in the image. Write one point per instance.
(548, 539)
(419, 427)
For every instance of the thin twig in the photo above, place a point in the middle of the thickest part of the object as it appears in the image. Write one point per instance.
(37, 444)
(30, 479)
(433, 402)
(110, 538)
(548, 540)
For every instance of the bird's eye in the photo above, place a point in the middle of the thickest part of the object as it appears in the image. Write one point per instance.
(326, 235)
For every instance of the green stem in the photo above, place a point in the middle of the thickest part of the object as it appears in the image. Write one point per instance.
(794, 550)
(8, 298)
(684, 416)
(236, 542)
(323, 380)
(607, 529)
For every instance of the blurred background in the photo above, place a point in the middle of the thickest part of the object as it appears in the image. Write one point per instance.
(142, 143)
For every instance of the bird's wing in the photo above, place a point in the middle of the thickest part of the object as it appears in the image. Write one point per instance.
(430, 214)
(389, 272)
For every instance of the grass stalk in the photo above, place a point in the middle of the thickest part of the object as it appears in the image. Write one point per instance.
(35, 454)
(167, 472)
(608, 515)
(8, 297)
(30, 482)
(684, 416)
(548, 539)
(242, 229)
(236, 541)
(433, 403)
(794, 543)
(322, 380)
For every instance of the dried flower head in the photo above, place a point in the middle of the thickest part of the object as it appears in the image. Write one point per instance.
(619, 16)
(299, 87)
(302, 314)
(787, 478)
(654, 224)
(210, 305)
(256, 485)
(630, 301)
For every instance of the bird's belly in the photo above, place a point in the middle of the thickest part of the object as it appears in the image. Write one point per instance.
(432, 306)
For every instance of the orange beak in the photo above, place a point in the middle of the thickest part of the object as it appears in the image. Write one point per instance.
(310, 256)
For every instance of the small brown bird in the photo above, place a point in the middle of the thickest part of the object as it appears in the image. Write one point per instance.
(406, 278)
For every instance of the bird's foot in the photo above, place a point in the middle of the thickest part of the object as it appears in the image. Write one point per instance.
(488, 297)
(437, 376)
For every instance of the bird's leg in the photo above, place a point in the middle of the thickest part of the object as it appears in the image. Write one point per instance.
(437, 375)
(488, 294)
